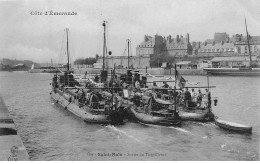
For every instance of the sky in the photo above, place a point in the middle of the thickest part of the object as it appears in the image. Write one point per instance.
(41, 37)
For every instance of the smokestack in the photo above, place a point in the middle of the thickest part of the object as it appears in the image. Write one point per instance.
(177, 38)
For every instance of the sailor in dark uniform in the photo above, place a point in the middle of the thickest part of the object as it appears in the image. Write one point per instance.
(187, 97)
(165, 85)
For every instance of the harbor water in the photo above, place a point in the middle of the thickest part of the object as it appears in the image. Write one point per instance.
(52, 133)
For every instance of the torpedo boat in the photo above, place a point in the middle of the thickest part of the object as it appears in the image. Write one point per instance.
(92, 105)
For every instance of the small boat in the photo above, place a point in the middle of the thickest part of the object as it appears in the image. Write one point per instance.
(233, 126)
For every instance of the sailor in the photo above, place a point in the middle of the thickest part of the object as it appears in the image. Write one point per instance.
(165, 85)
(85, 76)
(208, 97)
(187, 97)
(154, 84)
(175, 92)
(96, 79)
(180, 96)
(199, 98)
(117, 83)
(54, 84)
(193, 95)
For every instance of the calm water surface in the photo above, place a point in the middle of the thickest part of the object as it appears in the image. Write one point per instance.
(50, 133)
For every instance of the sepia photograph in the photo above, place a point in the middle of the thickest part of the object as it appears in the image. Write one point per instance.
(129, 80)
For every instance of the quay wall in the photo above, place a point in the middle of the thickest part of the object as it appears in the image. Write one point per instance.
(11, 145)
(153, 71)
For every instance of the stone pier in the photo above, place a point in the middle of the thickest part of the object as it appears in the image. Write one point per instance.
(11, 145)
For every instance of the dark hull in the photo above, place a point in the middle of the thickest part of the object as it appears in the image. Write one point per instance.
(154, 120)
(84, 112)
(233, 126)
(233, 71)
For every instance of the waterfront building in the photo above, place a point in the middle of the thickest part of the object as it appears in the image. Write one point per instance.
(240, 42)
(183, 65)
(221, 48)
(223, 45)
(146, 48)
(221, 37)
(204, 64)
(179, 46)
(233, 61)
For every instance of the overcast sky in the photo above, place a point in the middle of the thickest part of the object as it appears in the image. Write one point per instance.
(39, 37)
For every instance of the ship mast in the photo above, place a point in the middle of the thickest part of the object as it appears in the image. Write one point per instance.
(68, 66)
(104, 45)
(128, 40)
(250, 58)
(175, 98)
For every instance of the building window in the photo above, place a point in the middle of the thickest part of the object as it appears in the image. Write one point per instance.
(217, 50)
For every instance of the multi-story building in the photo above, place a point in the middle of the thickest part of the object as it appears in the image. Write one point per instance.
(223, 45)
(241, 43)
(179, 46)
(221, 37)
(146, 48)
(220, 45)
(218, 48)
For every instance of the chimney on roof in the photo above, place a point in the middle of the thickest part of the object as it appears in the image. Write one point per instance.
(188, 38)
(146, 38)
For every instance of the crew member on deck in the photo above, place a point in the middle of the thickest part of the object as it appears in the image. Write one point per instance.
(96, 79)
(193, 95)
(208, 98)
(154, 84)
(199, 98)
(165, 85)
(85, 76)
(54, 84)
(187, 97)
